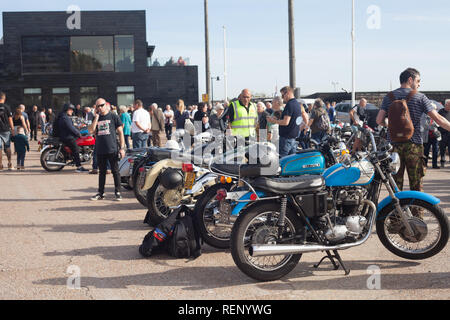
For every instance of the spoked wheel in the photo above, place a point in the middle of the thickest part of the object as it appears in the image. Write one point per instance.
(258, 225)
(208, 217)
(429, 224)
(159, 200)
(52, 155)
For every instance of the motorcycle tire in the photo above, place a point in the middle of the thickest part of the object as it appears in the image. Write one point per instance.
(241, 231)
(45, 155)
(138, 182)
(157, 211)
(203, 216)
(384, 222)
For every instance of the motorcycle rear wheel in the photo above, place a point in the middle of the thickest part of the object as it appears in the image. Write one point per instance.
(217, 237)
(139, 181)
(430, 225)
(51, 155)
(252, 227)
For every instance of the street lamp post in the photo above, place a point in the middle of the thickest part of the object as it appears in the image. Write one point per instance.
(212, 87)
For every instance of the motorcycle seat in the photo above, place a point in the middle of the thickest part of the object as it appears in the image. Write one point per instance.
(158, 154)
(243, 170)
(306, 183)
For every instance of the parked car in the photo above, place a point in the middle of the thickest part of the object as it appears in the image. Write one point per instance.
(343, 113)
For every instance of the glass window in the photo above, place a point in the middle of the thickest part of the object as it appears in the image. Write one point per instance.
(88, 95)
(32, 91)
(124, 53)
(60, 97)
(45, 54)
(91, 54)
(32, 97)
(125, 89)
(60, 90)
(125, 95)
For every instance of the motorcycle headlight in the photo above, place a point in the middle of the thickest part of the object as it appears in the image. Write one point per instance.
(394, 166)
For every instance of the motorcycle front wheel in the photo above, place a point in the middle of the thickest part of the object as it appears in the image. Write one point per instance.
(429, 224)
(51, 155)
(258, 225)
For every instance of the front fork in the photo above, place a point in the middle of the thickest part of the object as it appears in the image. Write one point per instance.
(392, 188)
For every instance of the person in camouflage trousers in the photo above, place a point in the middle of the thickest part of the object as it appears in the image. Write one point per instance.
(411, 158)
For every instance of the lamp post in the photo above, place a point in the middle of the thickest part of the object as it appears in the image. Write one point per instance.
(292, 75)
(353, 55)
(212, 87)
(208, 72)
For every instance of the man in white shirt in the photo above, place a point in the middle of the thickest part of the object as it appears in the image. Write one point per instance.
(141, 125)
(168, 123)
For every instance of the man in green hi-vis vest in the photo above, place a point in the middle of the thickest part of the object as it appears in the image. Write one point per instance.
(243, 116)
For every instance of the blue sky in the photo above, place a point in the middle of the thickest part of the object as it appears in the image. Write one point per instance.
(411, 33)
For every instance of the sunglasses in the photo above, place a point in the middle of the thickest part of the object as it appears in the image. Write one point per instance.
(100, 105)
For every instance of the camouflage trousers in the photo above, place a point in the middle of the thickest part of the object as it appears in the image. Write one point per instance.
(411, 158)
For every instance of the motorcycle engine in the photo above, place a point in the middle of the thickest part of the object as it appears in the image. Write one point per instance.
(349, 222)
(86, 154)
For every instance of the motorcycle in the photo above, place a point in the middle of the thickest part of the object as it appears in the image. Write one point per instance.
(126, 166)
(332, 212)
(216, 209)
(55, 155)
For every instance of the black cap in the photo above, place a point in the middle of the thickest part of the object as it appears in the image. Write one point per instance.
(68, 106)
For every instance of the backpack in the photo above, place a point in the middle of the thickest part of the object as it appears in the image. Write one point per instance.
(400, 127)
(176, 235)
(324, 123)
(4, 115)
(184, 241)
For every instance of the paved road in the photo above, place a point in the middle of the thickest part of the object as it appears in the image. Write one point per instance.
(49, 230)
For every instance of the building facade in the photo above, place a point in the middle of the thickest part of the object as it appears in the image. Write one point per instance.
(50, 58)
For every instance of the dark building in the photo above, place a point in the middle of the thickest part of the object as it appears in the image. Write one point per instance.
(45, 59)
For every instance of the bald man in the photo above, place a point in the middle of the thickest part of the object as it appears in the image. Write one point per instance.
(357, 112)
(107, 126)
(242, 116)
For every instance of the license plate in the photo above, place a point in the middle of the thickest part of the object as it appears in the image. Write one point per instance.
(189, 181)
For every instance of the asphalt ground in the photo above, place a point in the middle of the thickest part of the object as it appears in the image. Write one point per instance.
(50, 232)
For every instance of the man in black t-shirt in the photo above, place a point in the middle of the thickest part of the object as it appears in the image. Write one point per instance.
(105, 125)
(292, 117)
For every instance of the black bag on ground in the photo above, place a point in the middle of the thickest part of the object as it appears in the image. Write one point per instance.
(176, 235)
(185, 240)
(155, 240)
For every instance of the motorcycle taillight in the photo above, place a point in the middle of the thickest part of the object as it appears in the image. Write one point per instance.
(221, 194)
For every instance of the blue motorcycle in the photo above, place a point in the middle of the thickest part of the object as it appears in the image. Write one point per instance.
(335, 211)
(217, 209)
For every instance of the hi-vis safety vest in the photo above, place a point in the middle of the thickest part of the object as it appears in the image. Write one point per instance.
(244, 122)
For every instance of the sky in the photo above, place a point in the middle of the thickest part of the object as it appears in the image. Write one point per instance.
(390, 37)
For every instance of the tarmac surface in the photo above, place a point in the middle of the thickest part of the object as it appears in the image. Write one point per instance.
(50, 232)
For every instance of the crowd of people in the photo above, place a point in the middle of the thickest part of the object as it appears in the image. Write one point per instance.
(284, 121)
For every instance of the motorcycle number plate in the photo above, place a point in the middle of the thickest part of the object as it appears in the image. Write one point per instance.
(189, 181)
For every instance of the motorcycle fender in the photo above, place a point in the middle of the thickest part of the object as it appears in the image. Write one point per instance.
(409, 195)
(45, 148)
(207, 179)
(153, 174)
(241, 205)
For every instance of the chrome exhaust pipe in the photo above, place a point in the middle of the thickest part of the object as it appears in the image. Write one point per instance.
(56, 163)
(287, 249)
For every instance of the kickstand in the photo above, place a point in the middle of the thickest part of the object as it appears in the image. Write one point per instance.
(332, 257)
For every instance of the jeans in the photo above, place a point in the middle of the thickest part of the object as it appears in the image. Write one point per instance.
(33, 132)
(127, 141)
(5, 140)
(103, 160)
(168, 127)
(318, 136)
(287, 147)
(95, 162)
(432, 142)
(140, 140)
(21, 159)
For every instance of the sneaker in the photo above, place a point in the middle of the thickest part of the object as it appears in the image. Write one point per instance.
(93, 171)
(97, 197)
(108, 171)
(81, 169)
(118, 196)
(10, 166)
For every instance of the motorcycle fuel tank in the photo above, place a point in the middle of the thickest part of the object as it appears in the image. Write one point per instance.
(86, 141)
(310, 162)
(360, 173)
